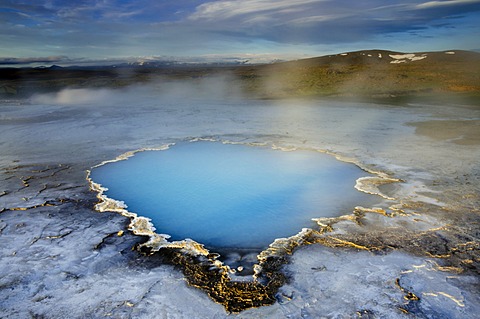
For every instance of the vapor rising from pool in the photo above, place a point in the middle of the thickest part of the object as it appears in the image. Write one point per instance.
(232, 195)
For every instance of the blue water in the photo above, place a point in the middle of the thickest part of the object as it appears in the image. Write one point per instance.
(234, 196)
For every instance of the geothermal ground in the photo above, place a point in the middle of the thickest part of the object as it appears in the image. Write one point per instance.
(414, 254)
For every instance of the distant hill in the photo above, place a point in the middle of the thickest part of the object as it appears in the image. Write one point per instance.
(359, 74)
(373, 73)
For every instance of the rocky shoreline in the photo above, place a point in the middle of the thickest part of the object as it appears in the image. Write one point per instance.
(62, 258)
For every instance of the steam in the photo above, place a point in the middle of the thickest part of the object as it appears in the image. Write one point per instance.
(73, 96)
(215, 87)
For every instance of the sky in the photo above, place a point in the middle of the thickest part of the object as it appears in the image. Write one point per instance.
(105, 31)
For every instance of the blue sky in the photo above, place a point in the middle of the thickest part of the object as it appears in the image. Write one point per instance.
(83, 31)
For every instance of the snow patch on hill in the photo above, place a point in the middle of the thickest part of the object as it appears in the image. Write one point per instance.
(402, 58)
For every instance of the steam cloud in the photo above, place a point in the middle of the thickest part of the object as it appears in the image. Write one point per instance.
(212, 87)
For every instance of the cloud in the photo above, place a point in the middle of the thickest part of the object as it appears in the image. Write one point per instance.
(107, 28)
(230, 9)
(324, 21)
(445, 3)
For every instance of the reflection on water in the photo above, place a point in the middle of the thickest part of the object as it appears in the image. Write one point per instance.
(225, 195)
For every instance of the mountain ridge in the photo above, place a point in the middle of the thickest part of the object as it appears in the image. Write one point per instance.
(376, 73)
(364, 73)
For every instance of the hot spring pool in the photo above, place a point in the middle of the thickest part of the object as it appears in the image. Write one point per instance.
(232, 195)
